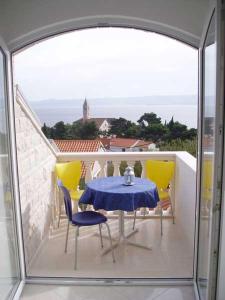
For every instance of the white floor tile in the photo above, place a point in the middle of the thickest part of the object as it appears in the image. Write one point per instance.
(170, 255)
(40, 292)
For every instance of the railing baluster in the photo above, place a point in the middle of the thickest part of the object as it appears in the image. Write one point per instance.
(143, 173)
(56, 203)
(116, 165)
(131, 163)
(88, 175)
(102, 170)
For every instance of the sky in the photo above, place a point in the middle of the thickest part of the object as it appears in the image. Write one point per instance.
(106, 62)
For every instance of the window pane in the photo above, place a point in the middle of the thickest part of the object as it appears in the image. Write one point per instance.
(9, 270)
(208, 140)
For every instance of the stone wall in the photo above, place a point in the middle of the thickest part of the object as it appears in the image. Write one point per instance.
(36, 161)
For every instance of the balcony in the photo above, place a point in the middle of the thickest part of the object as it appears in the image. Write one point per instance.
(171, 255)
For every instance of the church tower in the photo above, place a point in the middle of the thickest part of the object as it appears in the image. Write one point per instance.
(86, 111)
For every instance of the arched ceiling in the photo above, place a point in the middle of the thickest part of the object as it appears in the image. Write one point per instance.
(25, 21)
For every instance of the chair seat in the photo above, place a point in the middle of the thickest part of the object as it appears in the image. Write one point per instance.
(88, 218)
(75, 195)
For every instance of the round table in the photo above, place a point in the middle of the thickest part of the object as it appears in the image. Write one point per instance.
(110, 193)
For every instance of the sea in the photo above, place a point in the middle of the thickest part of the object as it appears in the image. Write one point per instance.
(183, 109)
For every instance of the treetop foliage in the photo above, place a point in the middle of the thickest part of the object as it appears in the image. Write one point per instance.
(148, 127)
(77, 131)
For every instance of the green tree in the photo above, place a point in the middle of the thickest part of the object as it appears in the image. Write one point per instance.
(103, 133)
(176, 130)
(88, 130)
(124, 128)
(47, 131)
(74, 130)
(170, 124)
(149, 119)
(59, 131)
(149, 127)
(192, 133)
(154, 132)
(180, 145)
(133, 131)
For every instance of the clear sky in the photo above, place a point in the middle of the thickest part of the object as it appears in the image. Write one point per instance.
(106, 62)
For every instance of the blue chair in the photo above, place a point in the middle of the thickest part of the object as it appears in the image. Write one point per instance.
(80, 219)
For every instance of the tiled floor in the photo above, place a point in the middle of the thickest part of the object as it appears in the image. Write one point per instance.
(50, 292)
(8, 266)
(170, 257)
(6, 287)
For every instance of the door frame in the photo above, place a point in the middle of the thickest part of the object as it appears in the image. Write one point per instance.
(220, 288)
(214, 236)
(10, 120)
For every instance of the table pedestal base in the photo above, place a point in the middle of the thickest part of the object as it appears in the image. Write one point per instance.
(123, 239)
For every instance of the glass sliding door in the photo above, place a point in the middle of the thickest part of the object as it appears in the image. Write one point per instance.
(9, 266)
(207, 158)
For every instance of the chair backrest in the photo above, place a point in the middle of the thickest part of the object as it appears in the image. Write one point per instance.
(69, 173)
(207, 174)
(207, 179)
(160, 172)
(67, 199)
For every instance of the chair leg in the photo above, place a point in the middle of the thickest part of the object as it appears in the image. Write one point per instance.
(145, 211)
(110, 239)
(135, 215)
(161, 215)
(76, 234)
(60, 210)
(100, 232)
(67, 234)
(75, 205)
(171, 204)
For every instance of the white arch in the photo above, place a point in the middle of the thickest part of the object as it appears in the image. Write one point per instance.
(23, 22)
(101, 21)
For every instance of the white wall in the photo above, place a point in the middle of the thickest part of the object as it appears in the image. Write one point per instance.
(36, 161)
(24, 21)
(105, 126)
(185, 195)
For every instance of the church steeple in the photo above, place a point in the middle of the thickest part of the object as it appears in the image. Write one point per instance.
(86, 111)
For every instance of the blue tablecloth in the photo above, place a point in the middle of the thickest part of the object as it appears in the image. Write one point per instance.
(110, 194)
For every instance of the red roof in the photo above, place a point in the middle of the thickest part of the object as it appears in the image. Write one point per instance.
(128, 143)
(105, 142)
(78, 146)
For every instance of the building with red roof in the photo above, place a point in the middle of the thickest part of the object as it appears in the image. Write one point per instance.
(115, 144)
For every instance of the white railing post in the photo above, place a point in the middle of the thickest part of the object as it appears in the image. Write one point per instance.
(143, 173)
(172, 195)
(56, 203)
(88, 175)
(116, 165)
(102, 164)
(131, 163)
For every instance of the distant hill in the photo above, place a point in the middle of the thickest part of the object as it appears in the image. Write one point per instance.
(183, 108)
(147, 100)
